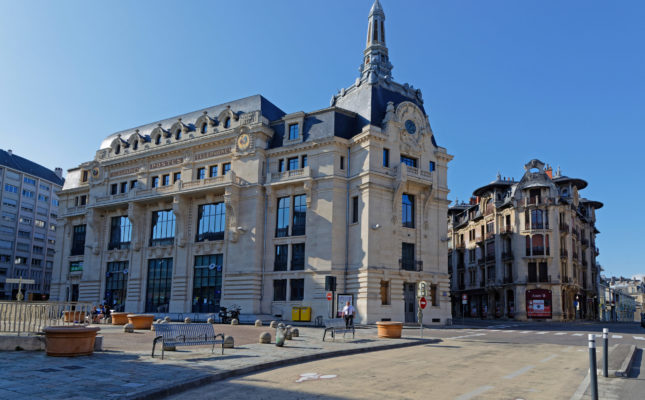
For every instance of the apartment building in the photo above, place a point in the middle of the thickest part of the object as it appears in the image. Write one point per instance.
(525, 249)
(28, 214)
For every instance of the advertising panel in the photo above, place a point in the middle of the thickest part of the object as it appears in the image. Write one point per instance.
(538, 303)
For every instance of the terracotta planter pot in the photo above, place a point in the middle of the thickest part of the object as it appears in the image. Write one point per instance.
(74, 316)
(389, 329)
(119, 318)
(141, 321)
(70, 341)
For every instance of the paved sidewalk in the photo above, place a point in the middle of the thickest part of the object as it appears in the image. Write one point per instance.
(132, 373)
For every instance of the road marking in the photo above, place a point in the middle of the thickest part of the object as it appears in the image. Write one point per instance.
(549, 358)
(540, 333)
(577, 334)
(525, 331)
(519, 372)
(476, 392)
(560, 333)
(639, 338)
(466, 336)
(582, 388)
(616, 336)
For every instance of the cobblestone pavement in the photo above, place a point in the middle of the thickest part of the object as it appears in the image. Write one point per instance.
(125, 370)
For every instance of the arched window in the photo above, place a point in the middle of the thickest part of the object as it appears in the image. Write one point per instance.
(204, 127)
(135, 144)
(178, 134)
(158, 139)
(375, 35)
(382, 32)
(227, 123)
(117, 149)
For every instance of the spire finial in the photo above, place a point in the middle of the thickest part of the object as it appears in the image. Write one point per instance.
(376, 63)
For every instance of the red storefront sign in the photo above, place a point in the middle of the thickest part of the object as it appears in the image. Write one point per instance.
(538, 303)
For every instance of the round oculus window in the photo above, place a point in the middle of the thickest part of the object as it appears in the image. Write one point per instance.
(410, 127)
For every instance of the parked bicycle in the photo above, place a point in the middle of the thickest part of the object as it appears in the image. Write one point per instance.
(226, 315)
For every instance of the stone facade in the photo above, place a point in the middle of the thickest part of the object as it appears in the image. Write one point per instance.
(525, 249)
(244, 204)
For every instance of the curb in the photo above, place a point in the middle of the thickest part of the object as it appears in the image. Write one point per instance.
(189, 384)
(625, 367)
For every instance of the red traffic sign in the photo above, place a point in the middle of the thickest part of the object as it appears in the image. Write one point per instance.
(464, 297)
(329, 296)
(423, 303)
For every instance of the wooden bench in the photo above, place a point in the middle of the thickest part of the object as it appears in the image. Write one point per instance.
(335, 326)
(186, 335)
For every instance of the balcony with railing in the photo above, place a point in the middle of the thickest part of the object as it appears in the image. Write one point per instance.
(490, 257)
(460, 245)
(538, 279)
(479, 241)
(507, 255)
(490, 235)
(291, 175)
(508, 279)
(564, 227)
(564, 253)
(408, 264)
(506, 230)
(413, 173)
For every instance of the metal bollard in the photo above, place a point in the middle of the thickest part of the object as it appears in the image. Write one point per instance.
(592, 367)
(605, 352)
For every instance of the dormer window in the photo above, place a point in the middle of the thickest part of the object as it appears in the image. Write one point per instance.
(178, 134)
(158, 139)
(135, 145)
(227, 123)
(117, 149)
(204, 127)
(293, 131)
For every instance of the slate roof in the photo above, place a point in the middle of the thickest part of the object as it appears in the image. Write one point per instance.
(29, 167)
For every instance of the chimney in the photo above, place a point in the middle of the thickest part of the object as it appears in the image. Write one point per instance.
(59, 172)
(549, 171)
(10, 152)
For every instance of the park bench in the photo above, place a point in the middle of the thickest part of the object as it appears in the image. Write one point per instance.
(335, 326)
(186, 335)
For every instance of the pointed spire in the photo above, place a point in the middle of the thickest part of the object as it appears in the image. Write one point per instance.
(376, 63)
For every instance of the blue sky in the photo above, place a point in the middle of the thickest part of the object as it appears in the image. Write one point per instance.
(503, 81)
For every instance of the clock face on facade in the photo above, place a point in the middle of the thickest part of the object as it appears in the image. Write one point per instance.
(95, 172)
(243, 141)
(410, 127)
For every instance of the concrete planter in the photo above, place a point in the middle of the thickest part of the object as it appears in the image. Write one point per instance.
(74, 316)
(119, 318)
(70, 341)
(389, 329)
(141, 321)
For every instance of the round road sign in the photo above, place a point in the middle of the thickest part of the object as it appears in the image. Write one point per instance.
(423, 303)
(329, 296)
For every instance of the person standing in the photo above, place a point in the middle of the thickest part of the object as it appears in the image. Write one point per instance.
(348, 314)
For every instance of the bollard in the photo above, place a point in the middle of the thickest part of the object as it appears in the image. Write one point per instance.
(605, 352)
(593, 382)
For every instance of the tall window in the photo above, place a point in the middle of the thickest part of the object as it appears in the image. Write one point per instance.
(213, 171)
(225, 168)
(124, 187)
(227, 123)
(299, 215)
(120, 233)
(163, 228)
(176, 177)
(281, 257)
(282, 225)
(201, 173)
(281, 165)
(292, 163)
(297, 289)
(385, 293)
(431, 166)
(407, 210)
(354, 209)
(303, 161)
(297, 256)
(159, 285)
(407, 256)
(386, 158)
(116, 285)
(165, 180)
(155, 181)
(279, 290)
(204, 127)
(293, 131)
(211, 220)
(409, 161)
(78, 240)
(207, 283)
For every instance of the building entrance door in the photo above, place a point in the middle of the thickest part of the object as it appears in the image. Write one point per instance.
(409, 299)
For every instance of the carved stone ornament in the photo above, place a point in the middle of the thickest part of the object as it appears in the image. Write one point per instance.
(412, 126)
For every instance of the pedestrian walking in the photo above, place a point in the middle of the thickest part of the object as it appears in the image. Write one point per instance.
(348, 314)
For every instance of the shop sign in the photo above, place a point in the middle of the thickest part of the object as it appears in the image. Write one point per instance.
(538, 303)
